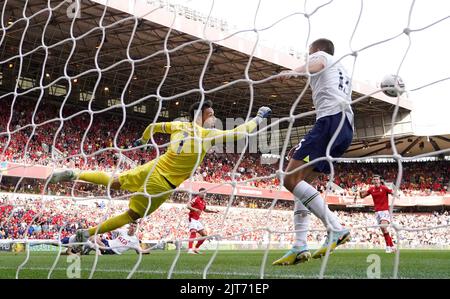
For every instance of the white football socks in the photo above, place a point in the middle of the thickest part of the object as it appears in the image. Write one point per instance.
(312, 200)
(301, 222)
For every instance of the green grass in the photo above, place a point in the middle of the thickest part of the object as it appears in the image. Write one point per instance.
(231, 264)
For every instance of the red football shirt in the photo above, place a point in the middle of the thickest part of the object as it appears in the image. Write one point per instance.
(198, 203)
(380, 197)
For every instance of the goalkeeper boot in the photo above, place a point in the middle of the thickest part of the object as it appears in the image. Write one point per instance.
(294, 256)
(63, 176)
(338, 238)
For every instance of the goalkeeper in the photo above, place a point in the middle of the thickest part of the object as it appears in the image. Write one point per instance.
(189, 143)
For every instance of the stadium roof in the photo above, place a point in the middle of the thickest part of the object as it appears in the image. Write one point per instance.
(228, 61)
(407, 146)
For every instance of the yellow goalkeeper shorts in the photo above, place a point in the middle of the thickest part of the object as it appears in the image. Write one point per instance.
(134, 180)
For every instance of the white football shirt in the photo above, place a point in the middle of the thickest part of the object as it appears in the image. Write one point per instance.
(123, 242)
(331, 87)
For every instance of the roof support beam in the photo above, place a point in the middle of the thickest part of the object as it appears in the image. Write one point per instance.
(410, 146)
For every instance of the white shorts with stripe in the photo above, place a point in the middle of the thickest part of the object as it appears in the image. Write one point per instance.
(195, 224)
(383, 215)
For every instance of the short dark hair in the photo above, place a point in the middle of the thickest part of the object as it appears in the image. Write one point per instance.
(325, 45)
(378, 176)
(196, 106)
(201, 189)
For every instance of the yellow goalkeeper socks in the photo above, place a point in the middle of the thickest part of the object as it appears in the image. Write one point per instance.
(111, 224)
(96, 177)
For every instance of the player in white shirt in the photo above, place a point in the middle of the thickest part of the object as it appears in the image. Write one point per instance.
(70, 250)
(331, 93)
(123, 240)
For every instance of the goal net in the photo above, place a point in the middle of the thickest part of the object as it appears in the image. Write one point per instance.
(81, 80)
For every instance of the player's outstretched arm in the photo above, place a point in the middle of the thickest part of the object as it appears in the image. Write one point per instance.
(315, 65)
(240, 131)
(162, 127)
(210, 211)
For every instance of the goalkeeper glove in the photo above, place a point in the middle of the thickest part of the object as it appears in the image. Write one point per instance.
(263, 112)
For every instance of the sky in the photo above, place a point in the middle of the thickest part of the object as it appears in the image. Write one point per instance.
(426, 61)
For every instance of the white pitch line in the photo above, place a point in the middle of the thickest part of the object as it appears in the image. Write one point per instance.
(268, 276)
(165, 272)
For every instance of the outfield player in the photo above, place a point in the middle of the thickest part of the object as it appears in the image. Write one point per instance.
(70, 249)
(122, 240)
(196, 207)
(380, 195)
(331, 94)
(159, 178)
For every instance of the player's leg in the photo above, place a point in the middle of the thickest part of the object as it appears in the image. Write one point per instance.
(157, 188)
(136, 211)
(307, 198)
(130, 180)
(94, 177)
(339, 235)
(381, 218)
(192, 236)
(314, 146)
(202, 233)
(307, 195)
(299, 252)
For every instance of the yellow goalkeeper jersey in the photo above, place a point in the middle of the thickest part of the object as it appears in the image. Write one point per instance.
(189, 144)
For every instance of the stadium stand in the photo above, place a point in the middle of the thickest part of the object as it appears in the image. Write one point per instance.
(170, 221)
(419, 178)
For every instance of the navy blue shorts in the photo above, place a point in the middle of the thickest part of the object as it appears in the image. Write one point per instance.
(65, 240)
(106, 251)
(314, 144)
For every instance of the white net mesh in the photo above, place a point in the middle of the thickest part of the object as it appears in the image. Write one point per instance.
(43, 64)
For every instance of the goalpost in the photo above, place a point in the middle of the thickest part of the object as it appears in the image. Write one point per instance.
(17, 85)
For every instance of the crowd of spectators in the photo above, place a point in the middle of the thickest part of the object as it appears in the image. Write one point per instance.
(236, 201)
(26, 216)
(218, 168)
(418, 178)
(78, 135)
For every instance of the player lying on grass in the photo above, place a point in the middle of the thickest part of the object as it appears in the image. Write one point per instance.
(380, 195)
(70, 249)
(196, 207)
(122, 240)
(331, 93)
(160, 177)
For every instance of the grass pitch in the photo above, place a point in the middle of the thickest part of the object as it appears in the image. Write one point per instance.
(229, 264)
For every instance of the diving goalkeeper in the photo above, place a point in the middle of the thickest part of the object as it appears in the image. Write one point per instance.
(189, 143)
